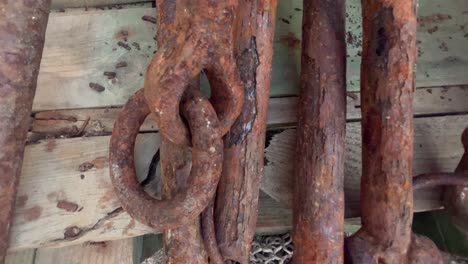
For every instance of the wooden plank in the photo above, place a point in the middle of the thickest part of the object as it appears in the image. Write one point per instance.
(110, 252)
(282, 112)
(59, 205)
(58, 4)
(442, 44)
(25, 256)
(80, 46)
(437, 147)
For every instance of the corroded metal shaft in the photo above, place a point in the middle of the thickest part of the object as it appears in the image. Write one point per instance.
(185, 242)
(236, 203)
(387, 87)
(319, 194)
(22, 32)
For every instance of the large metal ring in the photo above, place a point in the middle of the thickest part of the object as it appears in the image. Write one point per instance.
(207, 157)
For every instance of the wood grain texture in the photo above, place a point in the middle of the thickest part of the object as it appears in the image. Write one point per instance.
(91, 3)
(281, 112)
(110, 252)
(442, 44)
(437, 147)
(57, 205)
(25, 256)
(80, 46)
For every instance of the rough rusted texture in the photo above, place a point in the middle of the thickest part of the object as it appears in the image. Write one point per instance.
(387, 87)
(455, 198)
(22, 31)
(209, 235)
(207, 156)
(185, 242)
(237, 196)
(318, 224)
(204, 40)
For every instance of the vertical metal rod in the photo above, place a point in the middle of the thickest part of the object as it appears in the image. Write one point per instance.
(387, 88)
(185, 242)
(22, 32)
(319, 195)
(237, 196)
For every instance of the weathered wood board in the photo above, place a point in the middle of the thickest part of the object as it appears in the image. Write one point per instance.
(442, 44)
(81, 46)
(281, 112)
(57, 204)
(437, 148)
(57, 4)
(109, 252)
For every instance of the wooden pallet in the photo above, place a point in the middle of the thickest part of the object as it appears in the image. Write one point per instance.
(58, 205)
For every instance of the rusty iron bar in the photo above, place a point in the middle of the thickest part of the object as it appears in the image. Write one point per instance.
(236, 205)
(318, 221)
(387, 88)
(185, 242)
(207, 159)
(22, 33)
(455, 200)
(203, 42)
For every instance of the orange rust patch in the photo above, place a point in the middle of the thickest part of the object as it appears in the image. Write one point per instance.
(291, 41)
(50, 146)
(123, 34)
(130, 225)
(100, 162)
(55, 196)
(434, 18)
(67, 206)
(21, 201)
(33, 213)
(72, 232)
(108, 226)
(108, 196)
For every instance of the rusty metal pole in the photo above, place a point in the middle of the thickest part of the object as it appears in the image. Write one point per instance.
(22, 32)
(387, 87)
(237, 195)
(318, 226)
(185, 242)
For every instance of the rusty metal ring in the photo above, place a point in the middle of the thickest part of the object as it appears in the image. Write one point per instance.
(170, 72)
(207, 157)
